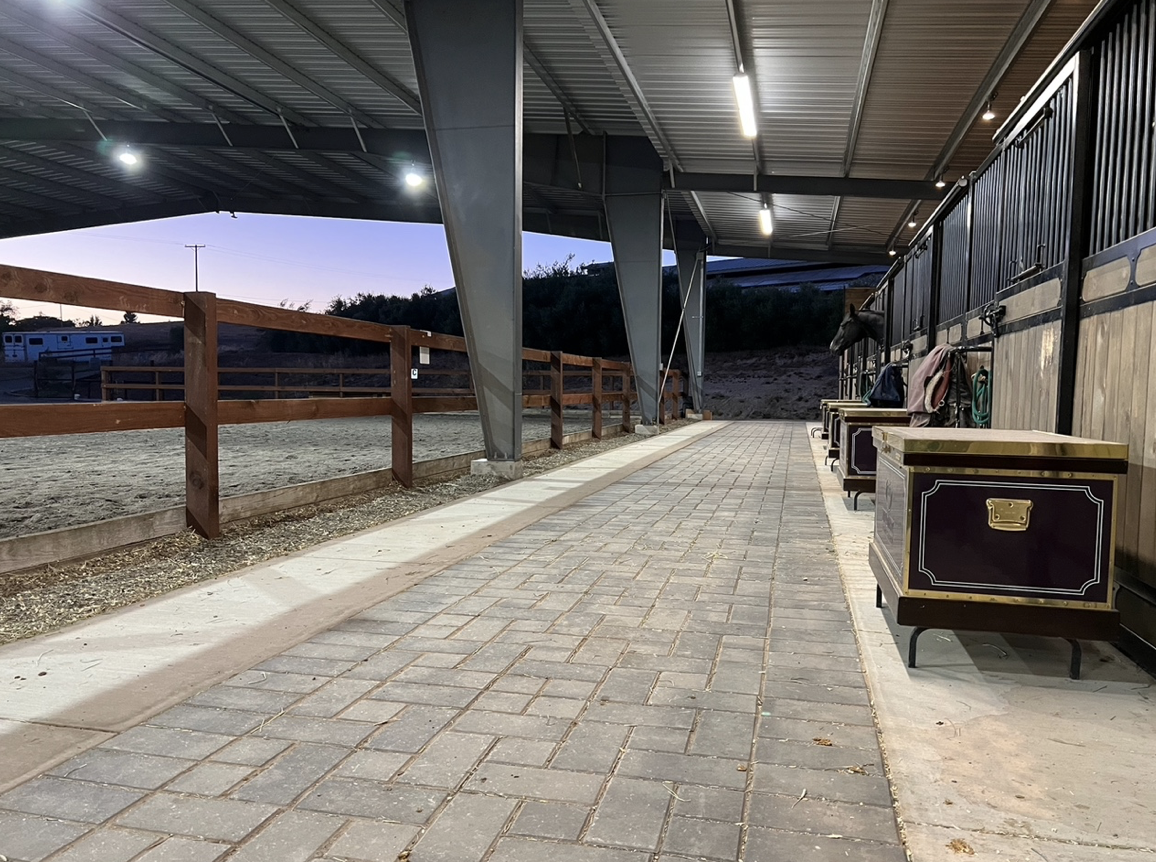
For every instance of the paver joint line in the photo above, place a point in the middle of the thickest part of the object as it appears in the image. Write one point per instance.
(594, 688)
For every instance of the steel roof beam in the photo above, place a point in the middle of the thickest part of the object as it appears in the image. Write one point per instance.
(548, 159)
(160, 174)
(65, 98)
(741, 48)
(126, 97)
(547, 77)
(34, 200)
(258, 52)
(95, 11)
(839, 254)
(616, 63)
(395, 88)
(117, 62)
(80, 195)
(862, 84)
(803, 185)
(528, 54)
(1010, 52)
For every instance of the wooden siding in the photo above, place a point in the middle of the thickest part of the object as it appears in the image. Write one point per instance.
(1116, 400)
(1025, 379)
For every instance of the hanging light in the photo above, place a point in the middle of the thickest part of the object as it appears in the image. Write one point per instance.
(746, 103)
(891, 252)
(127, 157)
(766, 224)
(913, 222)
(988, 113)
(940, 183)
(413, 179)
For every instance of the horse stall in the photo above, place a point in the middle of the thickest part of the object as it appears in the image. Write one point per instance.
(834, 425)
(1040, 266)
(857, 466)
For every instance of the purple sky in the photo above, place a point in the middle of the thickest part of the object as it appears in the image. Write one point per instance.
(266, 259)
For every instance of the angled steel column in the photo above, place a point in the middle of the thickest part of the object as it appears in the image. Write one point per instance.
(690, 252)
(468, 58)
(633, 199)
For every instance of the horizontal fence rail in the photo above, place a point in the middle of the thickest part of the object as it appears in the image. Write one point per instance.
(205, 396)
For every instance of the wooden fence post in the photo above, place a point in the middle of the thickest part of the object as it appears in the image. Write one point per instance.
(596, 398)
(202, 478)
(556, 389)
(104, 391)
(401, 393)
(627, 425)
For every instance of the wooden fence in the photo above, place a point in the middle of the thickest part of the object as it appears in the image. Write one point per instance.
(205, 404)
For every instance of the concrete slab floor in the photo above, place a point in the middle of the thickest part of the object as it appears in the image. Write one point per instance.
(646, 658)
(989, 743)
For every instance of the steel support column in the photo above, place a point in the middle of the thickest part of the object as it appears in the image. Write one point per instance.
(468, 58)
(690, 253)
(633, 199)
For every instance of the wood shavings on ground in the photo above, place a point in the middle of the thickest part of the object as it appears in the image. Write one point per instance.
(958, 845)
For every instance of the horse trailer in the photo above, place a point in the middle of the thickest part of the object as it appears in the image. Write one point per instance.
(77, 344)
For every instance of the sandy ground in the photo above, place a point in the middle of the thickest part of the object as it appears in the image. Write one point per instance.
(52, 482)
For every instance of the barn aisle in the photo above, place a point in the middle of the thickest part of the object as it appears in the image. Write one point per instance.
(643, 656)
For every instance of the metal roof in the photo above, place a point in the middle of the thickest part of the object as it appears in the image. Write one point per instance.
(312, 107)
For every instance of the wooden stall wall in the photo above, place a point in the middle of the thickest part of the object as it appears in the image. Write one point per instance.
(1116, 400)
(1024, 379)
(1025, 375)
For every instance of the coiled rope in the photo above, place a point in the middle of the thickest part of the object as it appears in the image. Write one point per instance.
(981, 398)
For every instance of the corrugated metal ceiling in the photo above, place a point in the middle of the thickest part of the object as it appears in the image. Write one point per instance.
(243, 60)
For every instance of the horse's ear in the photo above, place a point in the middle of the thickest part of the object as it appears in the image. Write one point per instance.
(851, 310)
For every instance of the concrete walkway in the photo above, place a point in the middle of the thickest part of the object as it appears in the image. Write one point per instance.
(645, 656)
(991, 749)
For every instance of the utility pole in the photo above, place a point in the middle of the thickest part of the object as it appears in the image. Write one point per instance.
(196, 266)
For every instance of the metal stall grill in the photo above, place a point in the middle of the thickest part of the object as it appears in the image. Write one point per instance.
(1124, 180)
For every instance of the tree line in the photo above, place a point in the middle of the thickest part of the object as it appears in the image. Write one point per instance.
(576, 309)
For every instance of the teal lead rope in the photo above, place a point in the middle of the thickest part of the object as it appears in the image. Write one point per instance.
(981, 398)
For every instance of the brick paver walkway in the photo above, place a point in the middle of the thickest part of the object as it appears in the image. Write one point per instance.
(664, 671)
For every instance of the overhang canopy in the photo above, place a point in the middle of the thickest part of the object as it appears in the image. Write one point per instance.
(310, 107)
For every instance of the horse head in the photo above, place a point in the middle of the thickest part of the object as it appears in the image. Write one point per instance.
(856, 326)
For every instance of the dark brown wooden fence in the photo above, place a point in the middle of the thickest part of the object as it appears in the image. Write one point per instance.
(205, 403)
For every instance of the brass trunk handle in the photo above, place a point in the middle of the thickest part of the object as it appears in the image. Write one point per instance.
(1009, 516)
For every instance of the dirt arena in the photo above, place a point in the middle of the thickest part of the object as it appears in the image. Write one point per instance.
(52, 482)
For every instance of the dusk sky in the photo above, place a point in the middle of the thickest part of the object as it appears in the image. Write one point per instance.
(265, 259)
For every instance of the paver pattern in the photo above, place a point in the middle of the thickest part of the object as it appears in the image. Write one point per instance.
(664, 671)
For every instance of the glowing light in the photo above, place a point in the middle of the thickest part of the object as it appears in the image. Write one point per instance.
(128, 158)
(413, 179)
(988, 114)
(746, 103)
(891, 252)
(766, 225)
(940, 183)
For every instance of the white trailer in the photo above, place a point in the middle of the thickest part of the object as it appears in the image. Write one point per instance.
(79, 344)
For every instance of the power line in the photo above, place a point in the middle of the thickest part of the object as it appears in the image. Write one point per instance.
(196, 266)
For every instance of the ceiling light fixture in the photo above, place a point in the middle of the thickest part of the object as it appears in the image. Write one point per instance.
(766, 224)
(746, 103)
(891, 252)
(413, 179)
(127, 157)
(941, 183)
(988, 113)
(912, 222)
